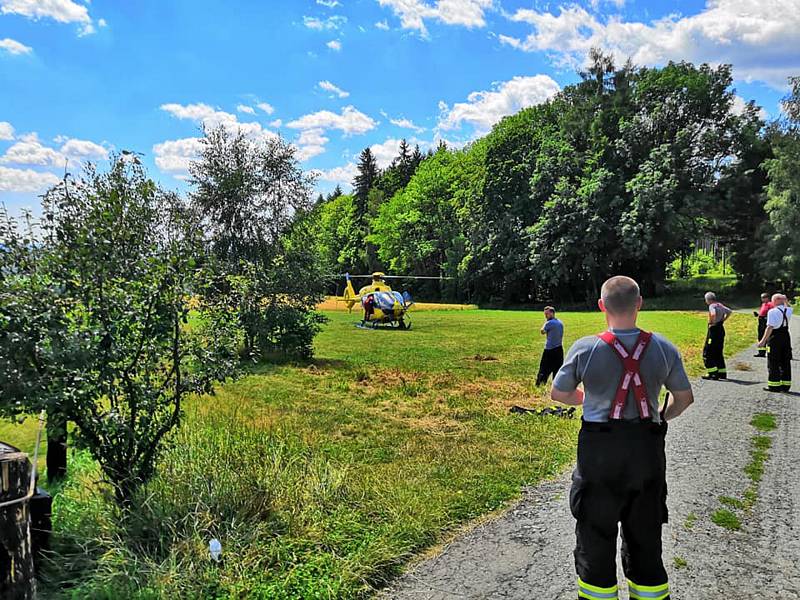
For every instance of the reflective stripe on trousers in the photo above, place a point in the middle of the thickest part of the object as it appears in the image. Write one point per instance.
(648, 592)
(587, 590)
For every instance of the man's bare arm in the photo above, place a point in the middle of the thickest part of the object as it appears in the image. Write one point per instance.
(573, 398)
(677, 403)
(767, 334)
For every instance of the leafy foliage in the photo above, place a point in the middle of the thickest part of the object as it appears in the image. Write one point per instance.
(105, 340)
(253, 200)
(619, 173)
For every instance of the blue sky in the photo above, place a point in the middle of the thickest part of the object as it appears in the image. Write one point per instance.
(79, 80)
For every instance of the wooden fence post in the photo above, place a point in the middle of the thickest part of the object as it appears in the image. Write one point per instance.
(17, 581)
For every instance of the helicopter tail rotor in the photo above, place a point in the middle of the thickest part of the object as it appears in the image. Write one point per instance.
(349, 296)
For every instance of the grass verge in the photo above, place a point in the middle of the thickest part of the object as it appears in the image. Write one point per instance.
(754, 469)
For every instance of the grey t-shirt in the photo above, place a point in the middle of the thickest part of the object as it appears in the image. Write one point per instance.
(555, 333)
(718, 310)
(591, 361)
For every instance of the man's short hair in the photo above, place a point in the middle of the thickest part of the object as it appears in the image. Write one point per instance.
(549, 308)
(620, 295)
(765, 295)
(710, 296)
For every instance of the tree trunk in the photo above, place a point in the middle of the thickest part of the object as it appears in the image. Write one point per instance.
(56, 448)
(17, 581)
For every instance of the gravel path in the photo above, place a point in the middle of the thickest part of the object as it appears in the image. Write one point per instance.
(527, 553)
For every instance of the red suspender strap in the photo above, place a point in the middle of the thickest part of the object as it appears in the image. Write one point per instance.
(630, 374)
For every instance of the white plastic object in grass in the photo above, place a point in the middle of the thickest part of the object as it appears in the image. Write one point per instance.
(215, 549)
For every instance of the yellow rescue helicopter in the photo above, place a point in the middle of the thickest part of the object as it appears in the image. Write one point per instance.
(383, 307)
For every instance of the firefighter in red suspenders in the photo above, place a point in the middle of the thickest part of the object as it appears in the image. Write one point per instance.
(620, 473)
(779, 345)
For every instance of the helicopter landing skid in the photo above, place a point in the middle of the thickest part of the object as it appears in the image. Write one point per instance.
(390, 325)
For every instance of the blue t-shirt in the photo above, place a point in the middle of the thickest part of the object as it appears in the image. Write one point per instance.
(555, 333)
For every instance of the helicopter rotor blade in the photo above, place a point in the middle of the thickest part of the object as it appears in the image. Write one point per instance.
(432, 277)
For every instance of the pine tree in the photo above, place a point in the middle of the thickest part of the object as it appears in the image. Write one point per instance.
(404, 163)
(364, 182)
(416, 158)
(337, 191)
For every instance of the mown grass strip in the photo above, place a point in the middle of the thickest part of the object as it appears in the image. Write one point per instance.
(759, 454)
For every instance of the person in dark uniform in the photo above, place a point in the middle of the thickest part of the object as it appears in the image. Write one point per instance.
(714, 348)
(761, 314)
(779, 345)
(553, 355)
(620, 477)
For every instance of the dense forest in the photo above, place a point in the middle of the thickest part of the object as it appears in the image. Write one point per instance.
(619, 173)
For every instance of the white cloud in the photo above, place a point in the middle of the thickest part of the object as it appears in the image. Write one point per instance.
(405, 124)
(195, 112)
(30, 151)
(335, 45)
(82, 150)
(386, 152)
(413, 13)
(329, 87)
(63, 11)
(331, 23)
(484, 109)
(26, 180)
(276, 124)
(382, 25)
(6, 131)
(311, 143)
(14, 47)
(761, 38)
(174, 156)
(328, 3)
(102, 23)
(341, 175)
(740, 104)
(351, 121)
(243, 108)
(267, 108)
(211, 117)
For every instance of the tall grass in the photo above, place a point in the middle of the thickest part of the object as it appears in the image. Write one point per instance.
(322, 479)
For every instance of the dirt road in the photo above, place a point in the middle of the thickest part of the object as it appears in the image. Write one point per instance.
(527, 553)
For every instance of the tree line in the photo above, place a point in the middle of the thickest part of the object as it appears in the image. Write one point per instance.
(618, 173)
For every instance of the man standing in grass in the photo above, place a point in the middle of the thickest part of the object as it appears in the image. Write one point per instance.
(779, 355)
(761, 314)
(620, 474)
(714, 349)
(553, 355)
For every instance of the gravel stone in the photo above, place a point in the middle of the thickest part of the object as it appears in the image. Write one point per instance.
(527, 552)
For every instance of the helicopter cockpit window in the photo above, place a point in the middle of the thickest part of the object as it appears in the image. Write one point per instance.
(384, 300)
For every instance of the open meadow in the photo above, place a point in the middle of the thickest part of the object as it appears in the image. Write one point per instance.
(322, 479)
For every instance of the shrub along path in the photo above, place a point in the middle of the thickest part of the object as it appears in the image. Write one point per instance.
(715, 450)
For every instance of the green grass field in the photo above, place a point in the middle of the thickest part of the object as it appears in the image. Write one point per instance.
(322, 479)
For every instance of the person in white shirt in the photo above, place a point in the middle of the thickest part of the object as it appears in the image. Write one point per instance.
(779, 343)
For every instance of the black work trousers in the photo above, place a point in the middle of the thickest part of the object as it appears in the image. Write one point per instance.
(551, 362)
(779, 360)
(620, 480)
(713, 352)
(762, 327)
